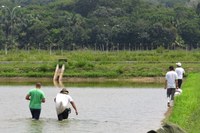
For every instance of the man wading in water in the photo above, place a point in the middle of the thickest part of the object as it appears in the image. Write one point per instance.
(36, 97)
(62, 99)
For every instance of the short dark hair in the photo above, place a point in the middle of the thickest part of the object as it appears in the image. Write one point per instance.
(38, 84)
(171, 68)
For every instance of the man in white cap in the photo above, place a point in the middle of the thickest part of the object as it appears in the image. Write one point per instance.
(180, 72)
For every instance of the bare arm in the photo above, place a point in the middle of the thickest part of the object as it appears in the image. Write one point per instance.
(165, 84)
(43, 100)
(74, 106)
(27, 97)
(176, 84)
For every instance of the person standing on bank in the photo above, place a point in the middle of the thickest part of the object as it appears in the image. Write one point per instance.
(171, 84)
(180, 72)
(62, 99)
(36, 97)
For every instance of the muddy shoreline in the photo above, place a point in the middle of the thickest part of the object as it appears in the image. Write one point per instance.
(80, 79)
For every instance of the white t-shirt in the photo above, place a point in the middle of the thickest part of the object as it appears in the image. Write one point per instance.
(171, 78)
(62, 101)
(180, 71)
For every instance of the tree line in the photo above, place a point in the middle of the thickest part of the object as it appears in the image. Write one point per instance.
(103, 25)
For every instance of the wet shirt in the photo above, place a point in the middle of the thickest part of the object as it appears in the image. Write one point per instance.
(62, 101)
(36, 98)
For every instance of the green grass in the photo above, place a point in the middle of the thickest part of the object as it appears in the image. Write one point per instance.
(186, 112)
(86, 63)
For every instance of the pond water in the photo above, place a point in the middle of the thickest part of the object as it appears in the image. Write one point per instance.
(101, 109)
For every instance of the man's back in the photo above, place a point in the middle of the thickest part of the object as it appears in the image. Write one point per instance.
(36, 98)
(171, 78)
(180, 71)
(62, 101)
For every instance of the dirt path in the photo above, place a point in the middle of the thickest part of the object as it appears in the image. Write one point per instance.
(167, 114)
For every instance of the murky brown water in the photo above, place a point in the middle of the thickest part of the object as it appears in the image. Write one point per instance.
(101, 110)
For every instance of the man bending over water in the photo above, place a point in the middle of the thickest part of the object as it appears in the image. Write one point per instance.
(62, 99)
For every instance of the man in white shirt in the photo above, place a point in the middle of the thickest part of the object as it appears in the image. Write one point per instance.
(180, 72)
(171, 84)
(62, 99)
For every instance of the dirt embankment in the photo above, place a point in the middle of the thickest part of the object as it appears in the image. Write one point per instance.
(78, 79)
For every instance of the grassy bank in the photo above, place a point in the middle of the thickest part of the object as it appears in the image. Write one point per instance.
(187, 106)
(116, 64)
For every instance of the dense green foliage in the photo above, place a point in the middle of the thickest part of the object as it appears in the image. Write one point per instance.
(116, 64)
(187, 106)
(99, 24)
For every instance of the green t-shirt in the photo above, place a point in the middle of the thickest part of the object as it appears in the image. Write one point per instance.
(36, 96)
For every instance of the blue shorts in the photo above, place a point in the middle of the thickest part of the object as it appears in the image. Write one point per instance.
(35, 113)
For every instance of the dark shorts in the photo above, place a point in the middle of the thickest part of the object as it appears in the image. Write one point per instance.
(35, 113)
(171, 92)
(180, 83)
(64, 115)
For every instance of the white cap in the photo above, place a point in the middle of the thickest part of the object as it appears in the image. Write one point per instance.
(178, 64)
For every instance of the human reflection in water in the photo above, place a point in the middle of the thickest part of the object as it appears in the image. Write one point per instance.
(35, 126)
(58, 84)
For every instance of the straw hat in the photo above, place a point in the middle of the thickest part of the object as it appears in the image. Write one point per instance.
(64, 91)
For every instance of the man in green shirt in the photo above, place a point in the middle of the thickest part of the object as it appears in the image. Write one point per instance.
(36, 97)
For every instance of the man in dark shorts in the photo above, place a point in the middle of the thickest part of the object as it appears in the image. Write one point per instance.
(64, 114)
(171, 84)
(36, 97)
(62, 108)
(180, 72)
